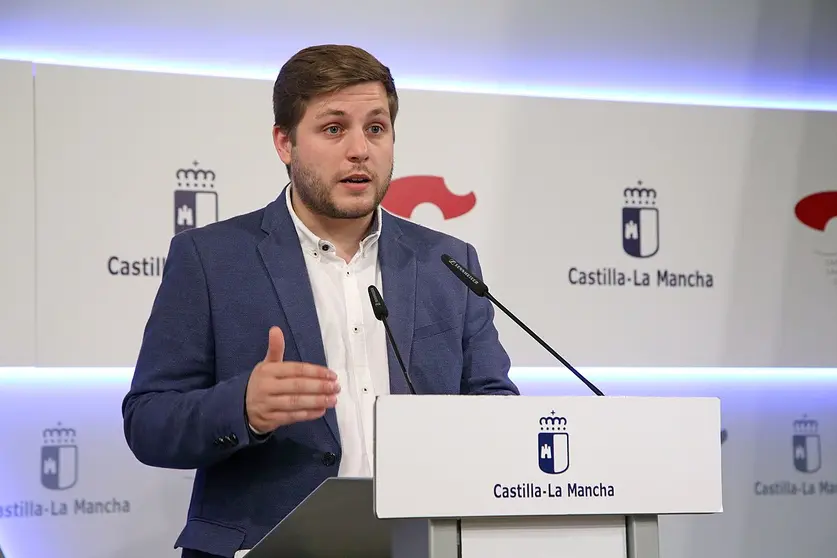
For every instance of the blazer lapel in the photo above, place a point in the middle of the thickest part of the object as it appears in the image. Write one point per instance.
(398, 275)
(282, 256)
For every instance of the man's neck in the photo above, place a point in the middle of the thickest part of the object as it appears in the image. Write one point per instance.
(346, 234)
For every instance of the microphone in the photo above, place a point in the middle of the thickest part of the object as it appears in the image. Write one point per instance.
(481, 289)
(381, 313)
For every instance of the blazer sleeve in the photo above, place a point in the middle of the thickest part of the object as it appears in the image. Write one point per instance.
(486, 364)
(175, 414)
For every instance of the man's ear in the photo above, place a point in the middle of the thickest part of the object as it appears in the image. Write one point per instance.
(282, 143)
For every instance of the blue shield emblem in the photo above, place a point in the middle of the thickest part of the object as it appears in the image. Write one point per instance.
(640, 231)
(59, 466)
(195, 199)
(194, 209)
(553, 452)
(806, 453)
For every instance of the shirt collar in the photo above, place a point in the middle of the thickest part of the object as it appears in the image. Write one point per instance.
(313, 243)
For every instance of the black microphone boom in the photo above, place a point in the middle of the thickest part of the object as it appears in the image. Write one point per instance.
(381, 313)
(481, 289)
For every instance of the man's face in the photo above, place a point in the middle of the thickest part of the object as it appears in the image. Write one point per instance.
(342, 159)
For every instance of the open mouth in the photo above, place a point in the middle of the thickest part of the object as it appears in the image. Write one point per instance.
(356, 179)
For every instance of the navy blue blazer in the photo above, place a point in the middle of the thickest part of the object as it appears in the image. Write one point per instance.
(223, 286)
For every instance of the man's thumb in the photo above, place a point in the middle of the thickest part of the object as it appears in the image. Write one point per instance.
(275, 345)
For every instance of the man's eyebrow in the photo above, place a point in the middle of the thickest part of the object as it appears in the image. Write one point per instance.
(330, 112)
(339, 113)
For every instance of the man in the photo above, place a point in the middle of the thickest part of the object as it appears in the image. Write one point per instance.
(262, 357)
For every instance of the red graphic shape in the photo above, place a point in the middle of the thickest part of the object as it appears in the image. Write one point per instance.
(407, 193)
(817, 209)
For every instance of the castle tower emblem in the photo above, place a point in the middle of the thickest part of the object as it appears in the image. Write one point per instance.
(195, 198)
(59, 458)
(640, 222)
(553, 444)
(806, 445)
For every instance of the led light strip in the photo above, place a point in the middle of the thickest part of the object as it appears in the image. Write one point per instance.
(689, 374)
(490, 87)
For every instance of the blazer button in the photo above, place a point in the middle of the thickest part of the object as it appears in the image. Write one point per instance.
(329, 459)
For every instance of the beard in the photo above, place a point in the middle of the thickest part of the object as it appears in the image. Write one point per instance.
(315, 192)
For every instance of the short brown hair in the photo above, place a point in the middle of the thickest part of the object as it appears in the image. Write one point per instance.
(320, 70)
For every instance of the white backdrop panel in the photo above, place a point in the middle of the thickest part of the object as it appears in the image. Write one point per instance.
(71, 488)
(549, 181)
(549, 178)
(17, 216)
(116, 151)
(808, 311)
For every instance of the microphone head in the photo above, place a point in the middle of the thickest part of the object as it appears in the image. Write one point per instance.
(378, 306)
(476, 285)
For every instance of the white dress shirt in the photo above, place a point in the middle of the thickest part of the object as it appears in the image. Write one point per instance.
(353, 339)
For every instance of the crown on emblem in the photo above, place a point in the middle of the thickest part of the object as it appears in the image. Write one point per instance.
(59, 435)
(806, 426)
(639, 196)
(552, 422)
(195, 178)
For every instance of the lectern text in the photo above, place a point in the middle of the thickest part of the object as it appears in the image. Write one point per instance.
(550, 490)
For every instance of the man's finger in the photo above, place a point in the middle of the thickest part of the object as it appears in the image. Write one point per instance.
(298, 369)
(301, 386)
(299, 416)
(275, 345)
(296, 402)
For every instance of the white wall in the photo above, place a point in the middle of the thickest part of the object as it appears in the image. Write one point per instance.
(765, 48)
(17, 215)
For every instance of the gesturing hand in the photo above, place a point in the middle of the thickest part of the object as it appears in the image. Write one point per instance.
(281, 393)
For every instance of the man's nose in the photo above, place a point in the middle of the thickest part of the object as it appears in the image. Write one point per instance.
(357, 146)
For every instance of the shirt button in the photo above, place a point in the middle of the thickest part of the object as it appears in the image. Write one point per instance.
(329, 459)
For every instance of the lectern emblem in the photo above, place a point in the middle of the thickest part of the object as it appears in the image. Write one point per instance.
(806, 445)
(553, 445)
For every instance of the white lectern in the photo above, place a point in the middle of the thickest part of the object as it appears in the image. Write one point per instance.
(508, 477)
